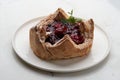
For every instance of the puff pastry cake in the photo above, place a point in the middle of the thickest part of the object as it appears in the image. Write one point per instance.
(59, 36)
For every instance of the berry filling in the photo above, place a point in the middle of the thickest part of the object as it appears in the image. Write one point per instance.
(59, 29)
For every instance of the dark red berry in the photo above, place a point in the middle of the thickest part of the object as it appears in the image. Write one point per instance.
(59, 29)
(58, 25)
(78, 39)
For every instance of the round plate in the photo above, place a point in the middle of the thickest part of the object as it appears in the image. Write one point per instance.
(99, 51)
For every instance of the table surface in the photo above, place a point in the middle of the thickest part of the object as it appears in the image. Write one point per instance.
(13, 13)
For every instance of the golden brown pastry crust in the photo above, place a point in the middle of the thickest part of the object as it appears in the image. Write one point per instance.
(64, 48)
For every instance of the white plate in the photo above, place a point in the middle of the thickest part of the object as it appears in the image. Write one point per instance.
(99, 51)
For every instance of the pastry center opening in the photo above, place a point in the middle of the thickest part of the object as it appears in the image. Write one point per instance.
(58, 29)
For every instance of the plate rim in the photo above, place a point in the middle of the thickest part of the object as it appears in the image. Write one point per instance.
(51, 70)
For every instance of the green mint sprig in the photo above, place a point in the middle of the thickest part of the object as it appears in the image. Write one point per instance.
(71, 19)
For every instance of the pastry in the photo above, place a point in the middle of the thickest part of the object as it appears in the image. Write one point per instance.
(59, 36)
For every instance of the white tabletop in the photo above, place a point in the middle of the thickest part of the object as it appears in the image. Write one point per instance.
(13, 13)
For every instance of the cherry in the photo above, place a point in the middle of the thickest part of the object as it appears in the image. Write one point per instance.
(78, 39)
(59, 29)
(57, 25)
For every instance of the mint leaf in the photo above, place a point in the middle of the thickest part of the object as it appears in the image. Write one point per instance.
(71, 19)
(71, 13)
(64, 21)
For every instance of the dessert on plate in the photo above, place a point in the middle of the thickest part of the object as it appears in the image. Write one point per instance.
(60, 36)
